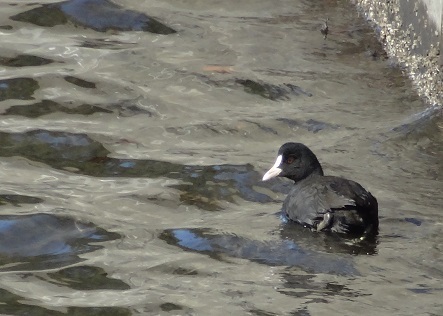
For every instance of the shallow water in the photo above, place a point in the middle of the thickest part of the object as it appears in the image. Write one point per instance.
(131, 161)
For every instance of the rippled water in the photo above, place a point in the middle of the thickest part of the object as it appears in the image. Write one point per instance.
(133, 138)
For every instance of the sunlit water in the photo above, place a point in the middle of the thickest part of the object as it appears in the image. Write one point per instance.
(131, 161)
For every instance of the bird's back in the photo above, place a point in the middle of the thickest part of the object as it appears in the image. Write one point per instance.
(349, 207)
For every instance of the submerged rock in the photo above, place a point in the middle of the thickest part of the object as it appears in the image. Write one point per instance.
(24, 60)
(80, 82)
(270, 91)
(48, 106)
(86, 278)
(204, 186)
(99, 15)
(17, 200)
(18, 88)
(44, 241)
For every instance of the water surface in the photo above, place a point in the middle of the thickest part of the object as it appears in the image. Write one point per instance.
(131, 156)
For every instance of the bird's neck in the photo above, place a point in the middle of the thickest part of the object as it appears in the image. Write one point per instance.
(317, 171)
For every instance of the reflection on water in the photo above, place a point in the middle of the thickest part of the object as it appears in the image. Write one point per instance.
(421, 139)
(306, 286)
(44, 241)
(310, 125)
(330, 243)
(270, 91)
(285, 253)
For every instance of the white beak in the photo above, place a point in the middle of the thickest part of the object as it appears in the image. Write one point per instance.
(275, 170)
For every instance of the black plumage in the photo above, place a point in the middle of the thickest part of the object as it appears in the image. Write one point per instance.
(323, 203)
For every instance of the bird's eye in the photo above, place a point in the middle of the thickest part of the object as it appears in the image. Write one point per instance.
(290, 160)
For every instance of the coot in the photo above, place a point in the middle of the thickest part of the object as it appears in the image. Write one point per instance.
(323, 203)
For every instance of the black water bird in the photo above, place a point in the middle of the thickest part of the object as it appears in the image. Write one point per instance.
(323, 203)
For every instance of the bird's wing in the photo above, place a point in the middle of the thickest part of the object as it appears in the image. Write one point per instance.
(308, 204)
(354, 208)
(349, 190)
